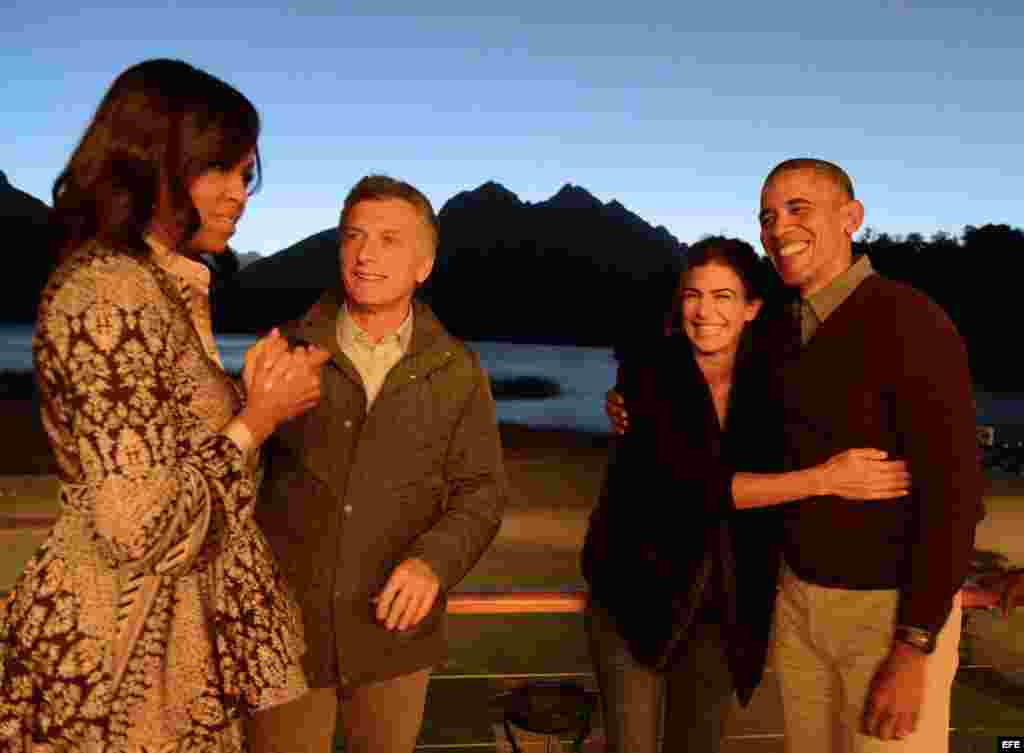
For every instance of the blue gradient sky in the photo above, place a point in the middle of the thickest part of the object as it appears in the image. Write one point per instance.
(677, 110)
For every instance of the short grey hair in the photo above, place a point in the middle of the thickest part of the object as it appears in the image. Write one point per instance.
(824, 168)
(379, 187)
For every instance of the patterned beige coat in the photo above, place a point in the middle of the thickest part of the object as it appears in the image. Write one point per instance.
(154, 616)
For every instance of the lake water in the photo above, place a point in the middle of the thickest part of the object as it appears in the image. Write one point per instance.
(584, 375)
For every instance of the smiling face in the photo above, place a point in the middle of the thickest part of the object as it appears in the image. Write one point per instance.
(715, 308)
(386, 252)
(220, 196)
(807, 227)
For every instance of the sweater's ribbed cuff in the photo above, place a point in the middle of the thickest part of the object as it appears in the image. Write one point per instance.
(930, 615)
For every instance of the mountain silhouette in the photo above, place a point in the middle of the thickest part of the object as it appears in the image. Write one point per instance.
(279, 287)
(488, 194)
(569, 269)
(572, 197)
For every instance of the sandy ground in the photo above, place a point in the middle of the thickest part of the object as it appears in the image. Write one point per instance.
(555, 478)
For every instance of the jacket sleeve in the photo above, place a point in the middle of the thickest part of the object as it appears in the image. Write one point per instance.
(934, 410)
(108, 367)
(477, 489)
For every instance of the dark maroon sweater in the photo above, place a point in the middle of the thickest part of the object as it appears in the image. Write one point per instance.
(887, 369)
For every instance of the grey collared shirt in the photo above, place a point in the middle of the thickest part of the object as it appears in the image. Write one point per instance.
(372, 360)
(819, 306)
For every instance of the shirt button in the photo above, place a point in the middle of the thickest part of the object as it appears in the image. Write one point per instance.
(348, 509)
(348, 424)
(413, 376)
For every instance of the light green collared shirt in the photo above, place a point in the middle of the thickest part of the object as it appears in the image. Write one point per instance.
(819, 306)
(372, 360)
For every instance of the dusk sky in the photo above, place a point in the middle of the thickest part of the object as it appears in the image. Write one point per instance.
(675, 109)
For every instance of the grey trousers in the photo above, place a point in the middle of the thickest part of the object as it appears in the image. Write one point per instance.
(684, 709)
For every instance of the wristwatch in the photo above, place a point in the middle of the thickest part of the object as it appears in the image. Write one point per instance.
(921, 639)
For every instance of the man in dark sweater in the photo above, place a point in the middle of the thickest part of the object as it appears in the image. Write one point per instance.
(867, 621)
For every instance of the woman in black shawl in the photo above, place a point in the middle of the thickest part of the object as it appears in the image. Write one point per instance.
(681, 556)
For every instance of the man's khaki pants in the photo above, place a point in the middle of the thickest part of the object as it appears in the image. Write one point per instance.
(383, 717)
(828, 642)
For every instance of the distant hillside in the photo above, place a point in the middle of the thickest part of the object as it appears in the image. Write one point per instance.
(25, 221)
(567, 269)
(244, 260)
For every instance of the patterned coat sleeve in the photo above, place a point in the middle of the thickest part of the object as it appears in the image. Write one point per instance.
(108, 351)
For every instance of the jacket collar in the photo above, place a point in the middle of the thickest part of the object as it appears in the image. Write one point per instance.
(430, 348)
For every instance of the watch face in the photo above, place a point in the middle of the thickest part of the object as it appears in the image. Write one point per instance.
(922, 640)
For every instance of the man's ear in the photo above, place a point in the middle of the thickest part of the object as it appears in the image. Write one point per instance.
(425, 267)
(853, 216)
(753, 309)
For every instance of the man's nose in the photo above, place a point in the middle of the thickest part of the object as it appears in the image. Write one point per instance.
(366, 250)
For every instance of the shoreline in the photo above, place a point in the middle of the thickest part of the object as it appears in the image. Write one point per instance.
(24, 449)
(19, 385)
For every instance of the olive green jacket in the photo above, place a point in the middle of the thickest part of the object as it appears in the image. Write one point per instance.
(348, 495)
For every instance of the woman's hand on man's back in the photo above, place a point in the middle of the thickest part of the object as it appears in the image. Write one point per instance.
(615, 409)
(864, 473)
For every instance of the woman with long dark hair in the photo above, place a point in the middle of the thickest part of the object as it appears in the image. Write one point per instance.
(681, 556)
(154, 617)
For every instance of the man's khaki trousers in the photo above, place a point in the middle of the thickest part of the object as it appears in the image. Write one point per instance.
(383, 717)
(828, 642)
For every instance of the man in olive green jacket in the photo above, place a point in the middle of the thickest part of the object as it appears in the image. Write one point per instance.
(381, 499)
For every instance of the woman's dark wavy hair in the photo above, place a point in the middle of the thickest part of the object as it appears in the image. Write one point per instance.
(160, 120)
(734, 253)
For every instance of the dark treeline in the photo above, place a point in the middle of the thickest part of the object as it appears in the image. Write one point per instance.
(28, 258)
(975, 277)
